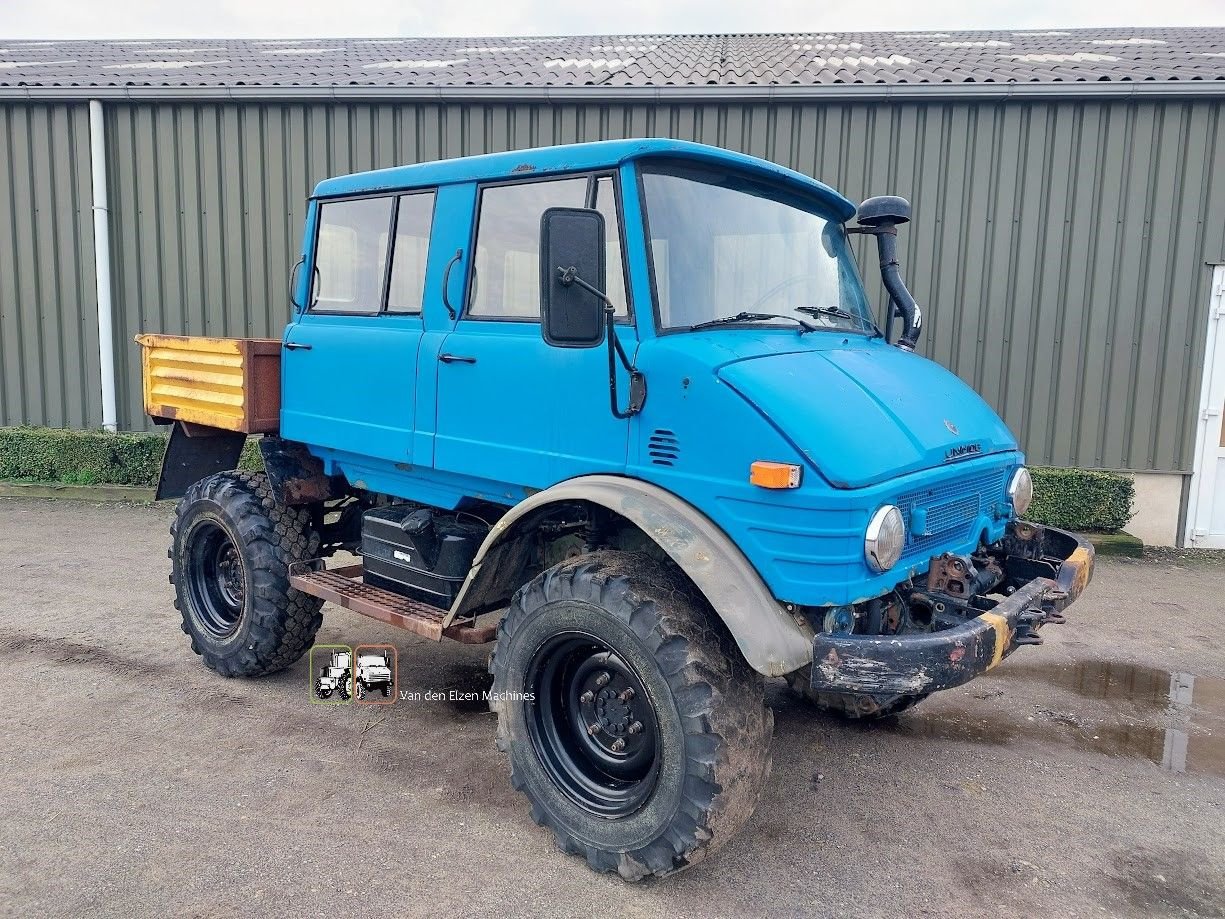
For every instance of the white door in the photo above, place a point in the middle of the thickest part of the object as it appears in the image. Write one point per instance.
(1206, 512)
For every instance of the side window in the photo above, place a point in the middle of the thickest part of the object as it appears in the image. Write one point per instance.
(506, 281)
(414, 217)
(606, 204)
(351, 255)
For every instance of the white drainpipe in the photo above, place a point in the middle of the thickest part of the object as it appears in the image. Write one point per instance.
(102, 263)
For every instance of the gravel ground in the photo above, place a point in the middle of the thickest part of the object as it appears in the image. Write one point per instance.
(138, 783)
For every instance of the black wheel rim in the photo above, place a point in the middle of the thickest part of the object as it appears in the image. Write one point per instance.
(593, 725)
(215, 579)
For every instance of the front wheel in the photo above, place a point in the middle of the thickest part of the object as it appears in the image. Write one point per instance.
(633, 723)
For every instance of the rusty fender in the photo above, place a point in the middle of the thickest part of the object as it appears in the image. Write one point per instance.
(927, 662)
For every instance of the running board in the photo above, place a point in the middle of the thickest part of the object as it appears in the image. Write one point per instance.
(344, 587)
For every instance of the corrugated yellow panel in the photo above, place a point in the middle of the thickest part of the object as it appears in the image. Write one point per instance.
(207, 380)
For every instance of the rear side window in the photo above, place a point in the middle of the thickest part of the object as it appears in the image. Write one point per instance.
(351, 255)
(506, 270)
(406, 287)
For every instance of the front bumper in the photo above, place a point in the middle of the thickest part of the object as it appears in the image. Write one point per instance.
(925, 662)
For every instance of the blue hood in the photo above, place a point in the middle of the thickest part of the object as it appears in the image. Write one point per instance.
(865, 415)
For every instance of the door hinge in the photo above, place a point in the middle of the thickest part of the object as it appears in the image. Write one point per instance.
(1209, 413)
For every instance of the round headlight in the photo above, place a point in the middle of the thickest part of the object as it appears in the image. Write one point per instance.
(885, 538)
(1021, 490)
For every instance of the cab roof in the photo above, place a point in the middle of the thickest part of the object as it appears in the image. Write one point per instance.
(542, 161)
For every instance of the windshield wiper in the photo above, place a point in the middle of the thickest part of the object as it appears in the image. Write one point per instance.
(835, 311)
(752, 317)
(839, 313)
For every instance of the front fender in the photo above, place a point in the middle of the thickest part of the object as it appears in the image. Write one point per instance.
(770, 639)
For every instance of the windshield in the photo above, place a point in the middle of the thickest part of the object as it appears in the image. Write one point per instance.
(723, 244)
(371, 660)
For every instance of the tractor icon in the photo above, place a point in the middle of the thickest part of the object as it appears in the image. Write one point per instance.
(336, 676)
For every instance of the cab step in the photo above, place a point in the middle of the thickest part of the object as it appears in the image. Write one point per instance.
(344, 587)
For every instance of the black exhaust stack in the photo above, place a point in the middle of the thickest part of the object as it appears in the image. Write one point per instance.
(880, 216)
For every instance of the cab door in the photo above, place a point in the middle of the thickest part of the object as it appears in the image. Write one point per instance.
(348, 366)
(513, 409)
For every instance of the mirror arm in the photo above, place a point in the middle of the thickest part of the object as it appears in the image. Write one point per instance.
(638, 386)
(568, 276)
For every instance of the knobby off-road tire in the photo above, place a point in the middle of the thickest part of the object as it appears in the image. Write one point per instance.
(852, 706)
(231, 548)
(691, 776)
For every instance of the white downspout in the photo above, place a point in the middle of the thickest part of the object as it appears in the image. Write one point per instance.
(102, 263)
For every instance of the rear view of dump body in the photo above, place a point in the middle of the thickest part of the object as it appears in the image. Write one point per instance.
(232, 384)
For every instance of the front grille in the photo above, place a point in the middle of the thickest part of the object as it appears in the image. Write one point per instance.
(952, 507)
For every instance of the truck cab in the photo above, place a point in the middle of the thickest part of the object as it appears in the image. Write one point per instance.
(625, 409)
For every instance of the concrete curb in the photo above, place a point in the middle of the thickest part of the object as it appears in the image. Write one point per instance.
(129, 493)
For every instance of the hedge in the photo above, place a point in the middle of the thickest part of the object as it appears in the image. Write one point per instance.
(89, 457)
(1079, 499)
(1071, 499)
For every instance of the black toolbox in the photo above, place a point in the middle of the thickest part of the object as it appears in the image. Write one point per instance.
(419, 552)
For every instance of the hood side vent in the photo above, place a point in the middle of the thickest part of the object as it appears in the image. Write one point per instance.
(663, 447)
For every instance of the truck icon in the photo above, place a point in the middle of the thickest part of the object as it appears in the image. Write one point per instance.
(335, 676)
(374, 673)
(627, 410)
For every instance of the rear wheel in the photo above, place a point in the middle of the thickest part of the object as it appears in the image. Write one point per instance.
(231, 548)
(633, 723)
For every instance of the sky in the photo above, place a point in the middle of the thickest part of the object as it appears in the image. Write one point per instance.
(62, 19)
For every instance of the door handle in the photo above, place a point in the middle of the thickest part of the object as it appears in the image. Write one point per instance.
(297, 346)
(456, 359)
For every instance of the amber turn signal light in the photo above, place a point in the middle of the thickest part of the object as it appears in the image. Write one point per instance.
(774, 475)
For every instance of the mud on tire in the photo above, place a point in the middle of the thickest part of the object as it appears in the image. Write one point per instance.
(231, 548)
(712, 727)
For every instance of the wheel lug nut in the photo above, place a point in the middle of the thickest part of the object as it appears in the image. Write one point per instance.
(636, 727)
(626, 694)
(587, 696)
(618, 745)
(602, 679)
(593, 729)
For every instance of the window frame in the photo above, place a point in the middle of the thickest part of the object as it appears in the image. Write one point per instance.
(393, 197)
(593, 183)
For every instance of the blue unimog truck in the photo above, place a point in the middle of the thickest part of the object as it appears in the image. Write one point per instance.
(622, 408)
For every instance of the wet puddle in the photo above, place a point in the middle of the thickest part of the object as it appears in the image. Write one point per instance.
(1189, 735)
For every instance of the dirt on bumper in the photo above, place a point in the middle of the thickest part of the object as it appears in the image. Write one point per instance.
(928, 662)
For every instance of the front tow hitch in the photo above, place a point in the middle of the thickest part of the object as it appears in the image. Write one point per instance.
(981, 609)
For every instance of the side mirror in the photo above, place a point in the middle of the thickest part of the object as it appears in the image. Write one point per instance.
(572, 248)
(883, 211)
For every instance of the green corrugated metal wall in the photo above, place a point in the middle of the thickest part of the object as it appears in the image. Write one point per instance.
(48, 306)
(1058, 248)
